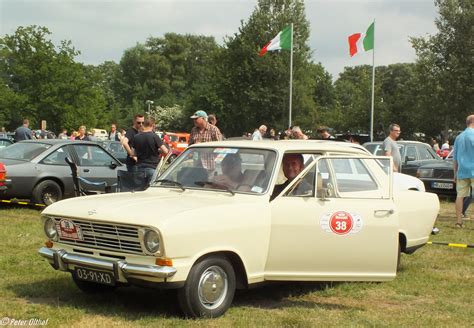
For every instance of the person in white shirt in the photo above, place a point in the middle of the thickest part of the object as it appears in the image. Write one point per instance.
(259, 133)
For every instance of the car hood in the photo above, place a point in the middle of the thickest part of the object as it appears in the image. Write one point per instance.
(155, 206)
(439, 165)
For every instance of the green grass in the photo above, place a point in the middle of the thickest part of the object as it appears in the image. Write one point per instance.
(434, 288)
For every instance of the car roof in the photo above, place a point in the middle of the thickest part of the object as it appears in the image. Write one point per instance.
(59, 142)
(402, 142)
(290, 145)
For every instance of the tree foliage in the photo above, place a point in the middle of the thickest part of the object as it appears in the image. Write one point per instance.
(445, 67)
(43, 82)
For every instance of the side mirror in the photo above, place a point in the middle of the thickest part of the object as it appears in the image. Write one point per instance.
(409, 158)
(113, 165)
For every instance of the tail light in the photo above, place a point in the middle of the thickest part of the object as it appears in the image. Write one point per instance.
(3, 174)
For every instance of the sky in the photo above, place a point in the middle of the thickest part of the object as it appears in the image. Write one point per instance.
(102, 29)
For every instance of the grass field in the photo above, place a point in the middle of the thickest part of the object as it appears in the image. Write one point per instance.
(435, 287)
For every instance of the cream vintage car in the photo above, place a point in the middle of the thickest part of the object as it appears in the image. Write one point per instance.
(206, 234)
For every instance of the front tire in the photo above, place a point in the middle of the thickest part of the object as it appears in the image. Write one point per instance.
(47, 192)
(209, 289)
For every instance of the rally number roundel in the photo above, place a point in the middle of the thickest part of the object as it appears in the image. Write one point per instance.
(341, 222)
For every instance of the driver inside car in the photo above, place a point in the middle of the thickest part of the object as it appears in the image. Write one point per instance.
(292, 165)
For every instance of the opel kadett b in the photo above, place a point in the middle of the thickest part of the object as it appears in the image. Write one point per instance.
(210, 225)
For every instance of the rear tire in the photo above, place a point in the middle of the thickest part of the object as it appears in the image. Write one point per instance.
(209, 289)
(47, 192)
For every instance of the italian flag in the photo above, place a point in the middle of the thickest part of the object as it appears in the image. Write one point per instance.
(281, 41)
(358, 41)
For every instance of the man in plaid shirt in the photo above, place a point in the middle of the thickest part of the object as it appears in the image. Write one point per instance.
(203, 131)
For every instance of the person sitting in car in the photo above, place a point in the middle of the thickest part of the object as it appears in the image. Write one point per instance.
(293, 164)
(232, 175)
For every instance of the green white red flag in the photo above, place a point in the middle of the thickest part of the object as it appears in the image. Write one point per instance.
(362, 42)
(281, 41)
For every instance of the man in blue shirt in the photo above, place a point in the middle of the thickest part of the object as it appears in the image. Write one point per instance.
(463, 155)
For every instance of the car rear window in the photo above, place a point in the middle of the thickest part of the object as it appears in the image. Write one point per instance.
(23, 151)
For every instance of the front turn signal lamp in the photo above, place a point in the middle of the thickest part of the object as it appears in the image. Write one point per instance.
(164, 261)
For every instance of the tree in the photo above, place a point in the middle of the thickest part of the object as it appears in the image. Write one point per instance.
(42, 82)
(252, 90)
(444, 65)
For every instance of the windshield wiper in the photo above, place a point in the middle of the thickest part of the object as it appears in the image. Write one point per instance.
(214, 184)
(175, 183)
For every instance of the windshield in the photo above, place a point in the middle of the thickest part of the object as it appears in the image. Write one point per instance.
(229, 169)
(23, 151)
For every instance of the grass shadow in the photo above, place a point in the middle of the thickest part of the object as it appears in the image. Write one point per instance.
(281, 295)
(129, 303)
(134, 303)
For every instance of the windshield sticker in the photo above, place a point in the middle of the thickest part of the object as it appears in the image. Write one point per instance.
(226, 150)
(341, 223)
(257, 189)
(219, 158)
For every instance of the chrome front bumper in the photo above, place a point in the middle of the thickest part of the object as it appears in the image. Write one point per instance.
(60, 259)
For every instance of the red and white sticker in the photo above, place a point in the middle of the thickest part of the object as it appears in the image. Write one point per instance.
(68, 230)
(341, 223)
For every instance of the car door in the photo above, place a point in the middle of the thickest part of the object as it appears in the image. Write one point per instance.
(96, 165)
(346, 228)
(410, 160)
(54, 165)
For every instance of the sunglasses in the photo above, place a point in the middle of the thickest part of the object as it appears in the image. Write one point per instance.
(140, 123)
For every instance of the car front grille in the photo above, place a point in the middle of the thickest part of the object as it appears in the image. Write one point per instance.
(105, 236)
(443, 174)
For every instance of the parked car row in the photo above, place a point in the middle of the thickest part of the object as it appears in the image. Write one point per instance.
(421, 161)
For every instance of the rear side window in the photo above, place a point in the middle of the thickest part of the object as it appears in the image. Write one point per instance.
(58, 157)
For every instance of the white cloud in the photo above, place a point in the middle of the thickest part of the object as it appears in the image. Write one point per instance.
(103, 29)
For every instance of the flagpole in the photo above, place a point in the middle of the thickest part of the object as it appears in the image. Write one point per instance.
(291, 77)
(373, 90)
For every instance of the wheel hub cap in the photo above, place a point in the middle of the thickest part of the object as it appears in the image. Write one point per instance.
(212, 287)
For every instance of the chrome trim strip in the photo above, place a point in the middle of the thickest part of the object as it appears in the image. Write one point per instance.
(61, 259)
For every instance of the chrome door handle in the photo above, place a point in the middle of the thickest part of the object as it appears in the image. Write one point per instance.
(389, 212)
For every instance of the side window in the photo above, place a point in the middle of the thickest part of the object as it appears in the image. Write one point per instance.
(58, 157)
(305, 186)
(351, 175)
(425, 153)
(411, 152)
(92, 155)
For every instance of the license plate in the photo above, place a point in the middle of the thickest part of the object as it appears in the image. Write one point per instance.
(442, 185)
(100, 277)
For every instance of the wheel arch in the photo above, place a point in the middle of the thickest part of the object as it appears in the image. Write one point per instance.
(55, 179)
(241, 279)
(402, 240)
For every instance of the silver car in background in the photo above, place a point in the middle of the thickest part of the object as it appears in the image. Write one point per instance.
(37, 170)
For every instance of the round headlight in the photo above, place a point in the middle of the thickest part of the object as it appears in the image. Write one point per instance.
(151, 241)
(50, 229)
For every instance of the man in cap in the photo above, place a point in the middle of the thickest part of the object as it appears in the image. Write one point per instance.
(203, 131)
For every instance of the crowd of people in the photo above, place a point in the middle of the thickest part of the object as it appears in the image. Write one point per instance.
(144, 147)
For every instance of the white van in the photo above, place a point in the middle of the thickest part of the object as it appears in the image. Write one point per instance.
(100, 134)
